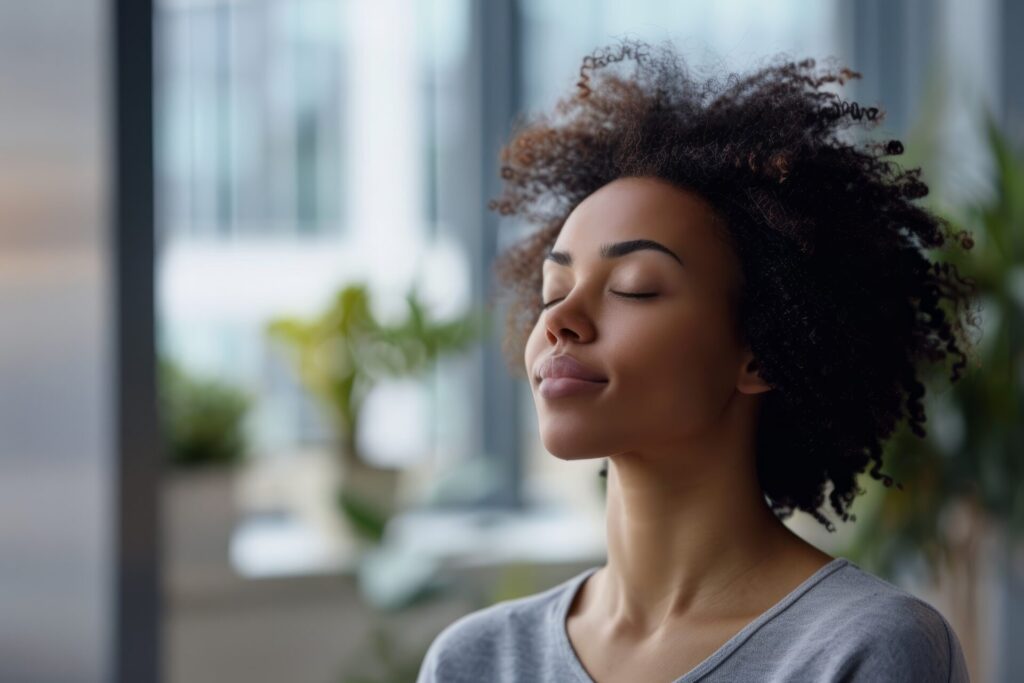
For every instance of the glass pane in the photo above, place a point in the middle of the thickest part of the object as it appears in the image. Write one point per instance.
(298, 150)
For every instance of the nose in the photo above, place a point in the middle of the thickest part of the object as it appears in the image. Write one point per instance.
(567, 321)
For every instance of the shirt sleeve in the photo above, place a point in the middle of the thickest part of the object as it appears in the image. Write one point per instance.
(913, 642)
(957, 662)
(431, 663)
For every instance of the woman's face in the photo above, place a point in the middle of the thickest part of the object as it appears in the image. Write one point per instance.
(671, 360)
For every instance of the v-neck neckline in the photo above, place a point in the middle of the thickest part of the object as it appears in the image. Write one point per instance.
(716, 657)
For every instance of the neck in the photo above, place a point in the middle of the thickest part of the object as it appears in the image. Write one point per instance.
(689, 534)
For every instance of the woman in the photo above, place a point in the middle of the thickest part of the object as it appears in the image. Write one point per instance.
(732, 305)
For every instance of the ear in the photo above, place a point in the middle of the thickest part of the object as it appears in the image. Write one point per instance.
(749, 380)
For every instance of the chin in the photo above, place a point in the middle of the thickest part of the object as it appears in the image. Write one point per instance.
(572, 457)
(573, 446)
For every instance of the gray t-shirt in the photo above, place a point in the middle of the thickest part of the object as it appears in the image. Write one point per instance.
(841, 624)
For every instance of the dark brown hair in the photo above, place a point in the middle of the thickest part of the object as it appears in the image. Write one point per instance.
(840, 304)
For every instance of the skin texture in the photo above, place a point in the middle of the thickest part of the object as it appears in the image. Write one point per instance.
(692, 545)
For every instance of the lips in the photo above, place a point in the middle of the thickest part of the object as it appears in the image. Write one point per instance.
(564, 365)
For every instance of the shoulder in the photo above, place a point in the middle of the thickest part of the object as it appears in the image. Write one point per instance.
(477, 645)
(873, 630)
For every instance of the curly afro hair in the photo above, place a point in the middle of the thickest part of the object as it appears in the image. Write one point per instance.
(839, 302)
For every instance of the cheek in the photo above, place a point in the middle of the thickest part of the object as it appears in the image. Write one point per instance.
(680, 371)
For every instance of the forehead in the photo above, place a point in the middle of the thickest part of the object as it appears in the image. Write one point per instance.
(642, 208)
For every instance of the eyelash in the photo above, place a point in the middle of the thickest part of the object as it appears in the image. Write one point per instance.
(644, 295)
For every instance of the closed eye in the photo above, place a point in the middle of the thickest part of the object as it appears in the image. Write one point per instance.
(628, 295)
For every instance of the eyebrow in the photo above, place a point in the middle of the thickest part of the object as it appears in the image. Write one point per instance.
(614, 250)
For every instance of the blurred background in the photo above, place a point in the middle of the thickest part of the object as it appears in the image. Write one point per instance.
(254, 420)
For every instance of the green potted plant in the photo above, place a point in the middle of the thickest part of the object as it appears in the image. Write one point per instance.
(340, 355)
(204, 447)
(202, 419)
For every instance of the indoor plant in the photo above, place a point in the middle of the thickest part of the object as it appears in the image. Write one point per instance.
(204, 447)
(340, 355)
